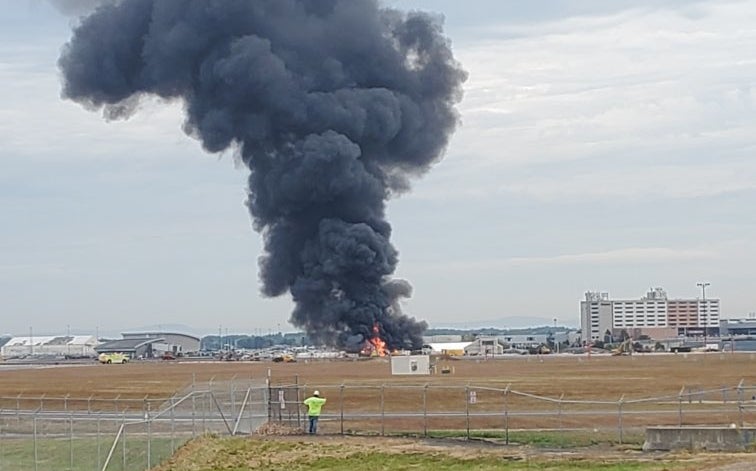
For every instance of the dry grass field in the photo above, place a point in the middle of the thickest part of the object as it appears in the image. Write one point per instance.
(369, 388)
(358, 390)
(577, 377)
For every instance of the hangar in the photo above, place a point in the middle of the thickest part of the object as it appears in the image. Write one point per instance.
(174, 342)
(134, 348)
(61, 345)
(454, 349)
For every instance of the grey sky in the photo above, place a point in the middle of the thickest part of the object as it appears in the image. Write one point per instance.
(604, 145)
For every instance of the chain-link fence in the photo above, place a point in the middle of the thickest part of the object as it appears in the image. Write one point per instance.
(122, 434)
(126, 434)
(430, 409)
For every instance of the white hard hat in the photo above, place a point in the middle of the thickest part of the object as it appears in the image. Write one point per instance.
(316, 393)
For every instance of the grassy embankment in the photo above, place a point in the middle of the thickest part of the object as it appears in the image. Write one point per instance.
(378, 454)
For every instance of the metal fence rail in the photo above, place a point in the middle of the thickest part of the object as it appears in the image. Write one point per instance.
(128, 435)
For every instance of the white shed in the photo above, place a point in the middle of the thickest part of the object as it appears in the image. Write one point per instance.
(410, 365)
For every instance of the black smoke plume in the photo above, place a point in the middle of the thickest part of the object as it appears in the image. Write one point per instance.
(332, 104)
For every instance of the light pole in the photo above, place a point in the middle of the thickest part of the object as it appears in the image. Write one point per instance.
(703, 285)
(556, 342)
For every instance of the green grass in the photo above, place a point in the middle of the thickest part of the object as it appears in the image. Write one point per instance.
(55, 454)
(545, 439)
(391, 462)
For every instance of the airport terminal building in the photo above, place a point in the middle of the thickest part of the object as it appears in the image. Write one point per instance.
(654, 315)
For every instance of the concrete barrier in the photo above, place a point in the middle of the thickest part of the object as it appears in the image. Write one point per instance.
(712, 438)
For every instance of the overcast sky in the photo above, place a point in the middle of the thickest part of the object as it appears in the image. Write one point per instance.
(604, 146)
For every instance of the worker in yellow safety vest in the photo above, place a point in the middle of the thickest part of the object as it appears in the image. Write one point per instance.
(314, 404)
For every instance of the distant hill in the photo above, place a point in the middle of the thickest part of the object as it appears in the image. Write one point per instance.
(507, 323)
(182, 328)
(494, 331)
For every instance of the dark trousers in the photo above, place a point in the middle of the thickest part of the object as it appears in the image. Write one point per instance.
(313, 424)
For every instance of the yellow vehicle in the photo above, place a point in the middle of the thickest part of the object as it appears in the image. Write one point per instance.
(108, 358)
(285, 358)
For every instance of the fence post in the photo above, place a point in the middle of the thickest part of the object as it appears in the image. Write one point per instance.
(679, 407)
(71, 439)
(506, 415)
(2, 451)
(740, 403)
(249, 409)
(270, 398)
(123, 437)
(204, 412)
(619, 423)
(341, 406)
(99, 456)
(148, 418)
(467, 410)
(299, 403)
(194, 407)
(173, 424)
(232, 393)
(383, 417)
(35, 441)
(560, 412)
(425, 410)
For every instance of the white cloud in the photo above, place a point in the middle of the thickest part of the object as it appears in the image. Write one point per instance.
(642, 184)
(32, 272)
(632, 255)
(621, 90)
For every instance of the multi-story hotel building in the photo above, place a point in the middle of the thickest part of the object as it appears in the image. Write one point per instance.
(653, 315)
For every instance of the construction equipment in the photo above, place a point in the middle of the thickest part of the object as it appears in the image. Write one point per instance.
(540, 349)
(625, 348)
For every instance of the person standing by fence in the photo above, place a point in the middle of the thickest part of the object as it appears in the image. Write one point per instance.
(314, 405)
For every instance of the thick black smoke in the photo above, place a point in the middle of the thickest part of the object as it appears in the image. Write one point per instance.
(332, 104)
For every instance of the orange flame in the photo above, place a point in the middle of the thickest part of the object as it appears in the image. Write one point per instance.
(375, 346)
